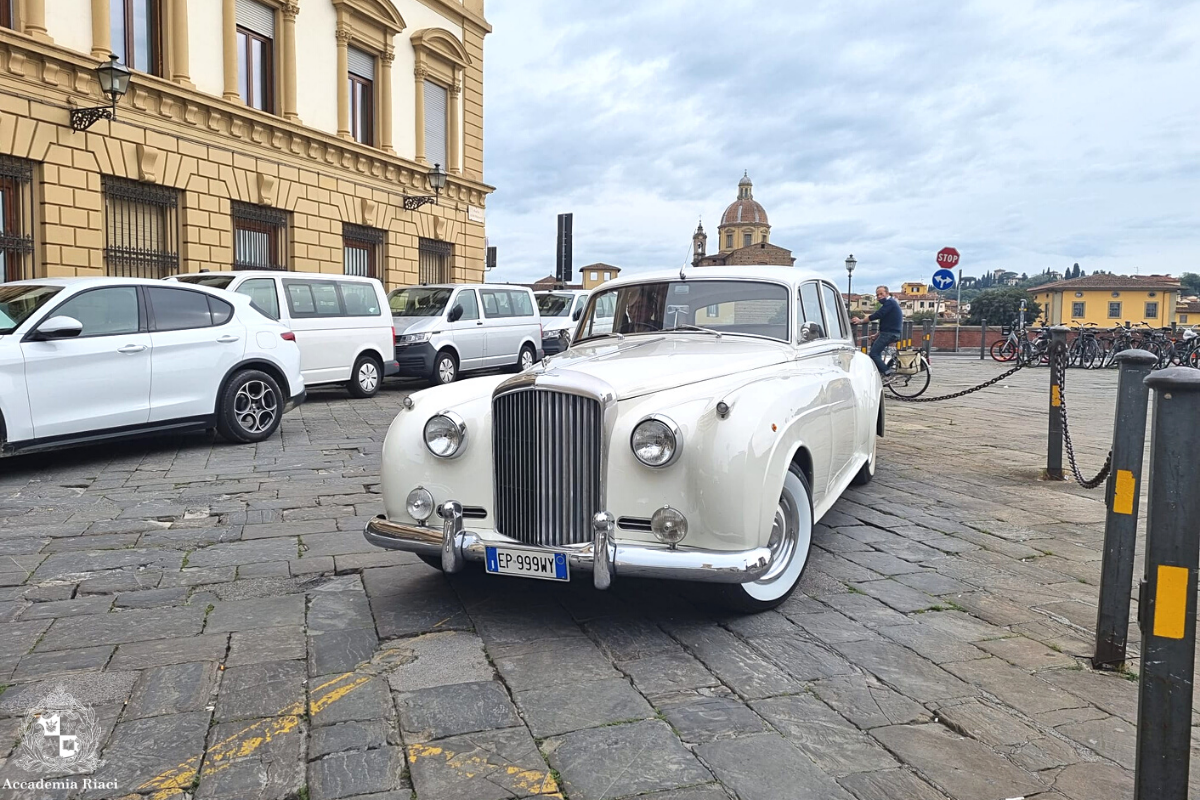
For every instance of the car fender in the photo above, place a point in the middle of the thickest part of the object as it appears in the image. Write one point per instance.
(265, 363)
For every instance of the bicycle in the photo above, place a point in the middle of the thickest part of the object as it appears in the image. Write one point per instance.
(910, 374)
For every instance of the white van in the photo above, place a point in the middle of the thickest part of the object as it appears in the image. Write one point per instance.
(560, 310)
(447, 329)
(340, 321)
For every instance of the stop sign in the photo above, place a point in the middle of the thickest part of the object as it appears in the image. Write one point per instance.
(947, 258)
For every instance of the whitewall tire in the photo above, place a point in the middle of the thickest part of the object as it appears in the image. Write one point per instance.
(790, 542)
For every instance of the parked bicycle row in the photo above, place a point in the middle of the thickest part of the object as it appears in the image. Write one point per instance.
(1093, 347)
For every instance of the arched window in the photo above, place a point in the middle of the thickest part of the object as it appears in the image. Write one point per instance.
(441, 61)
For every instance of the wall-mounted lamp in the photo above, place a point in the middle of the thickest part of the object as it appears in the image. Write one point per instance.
(437, 182)
(114, 82)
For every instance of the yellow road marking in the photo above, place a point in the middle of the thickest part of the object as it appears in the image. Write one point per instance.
(536, 781)
(1124, 492)
(1170, 602)
(174, 782)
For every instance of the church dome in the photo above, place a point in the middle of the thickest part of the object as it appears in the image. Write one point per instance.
(745, 210)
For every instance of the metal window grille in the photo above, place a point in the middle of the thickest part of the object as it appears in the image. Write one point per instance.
(361, 247)
(16, 218)
(433, 261)
(259, 237)
(141, 229)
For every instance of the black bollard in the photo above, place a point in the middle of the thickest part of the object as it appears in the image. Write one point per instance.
(1054, 438)
(1120, 524)
(1167, 604)
(982, 338)
(927, 333)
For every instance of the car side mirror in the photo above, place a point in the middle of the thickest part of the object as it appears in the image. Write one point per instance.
(810, 331)
(455, 314)
(577, 314)
(61, 327)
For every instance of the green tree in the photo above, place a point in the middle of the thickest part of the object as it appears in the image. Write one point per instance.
(1191, 283)
(921, 316)
(1002, 306)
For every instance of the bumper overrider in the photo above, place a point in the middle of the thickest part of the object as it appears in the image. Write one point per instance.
(604, 557)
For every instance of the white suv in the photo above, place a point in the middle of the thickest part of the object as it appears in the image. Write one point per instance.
(91, 359)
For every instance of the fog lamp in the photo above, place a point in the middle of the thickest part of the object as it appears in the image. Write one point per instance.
(669, 525)
(419, 504)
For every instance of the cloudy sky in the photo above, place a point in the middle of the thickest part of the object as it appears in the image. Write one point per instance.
(1026, 133)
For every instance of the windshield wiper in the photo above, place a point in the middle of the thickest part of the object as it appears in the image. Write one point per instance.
(687, 327)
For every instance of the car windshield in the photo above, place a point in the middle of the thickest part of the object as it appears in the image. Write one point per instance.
(18, 301)
(554, 305)
(755, 308)
(419, 301)
(215, 281)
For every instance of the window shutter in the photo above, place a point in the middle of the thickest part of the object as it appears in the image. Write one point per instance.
(257, 17)
(362, 64)
(435, 124)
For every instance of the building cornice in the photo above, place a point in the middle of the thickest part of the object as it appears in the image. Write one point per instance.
(453, 10)
(52, 75)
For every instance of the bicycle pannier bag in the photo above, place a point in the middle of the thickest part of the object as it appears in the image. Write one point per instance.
(906, 362)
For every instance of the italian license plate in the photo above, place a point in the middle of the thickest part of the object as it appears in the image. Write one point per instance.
(526, 563)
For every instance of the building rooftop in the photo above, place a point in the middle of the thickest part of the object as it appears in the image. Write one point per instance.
(1104, 281)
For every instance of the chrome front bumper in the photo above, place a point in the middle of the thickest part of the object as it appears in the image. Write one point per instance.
(603, 557)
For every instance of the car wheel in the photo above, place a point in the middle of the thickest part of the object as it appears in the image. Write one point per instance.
(251, 407)
(790, 542)
(526, 358)
(445, 368)
(365, 377)
(867, 472)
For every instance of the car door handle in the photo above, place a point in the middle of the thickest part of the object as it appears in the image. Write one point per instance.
(478, 323)
(227, 338)
(131, 348)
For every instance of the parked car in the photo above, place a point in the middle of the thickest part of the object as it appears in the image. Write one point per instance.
(560, 311)
(696, 434)
(345, 334)
(90, 359)
(445, 330)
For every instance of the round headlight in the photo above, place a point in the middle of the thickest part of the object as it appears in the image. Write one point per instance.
(656, 441)
(445, 434)
(669, 525)
(419, 504)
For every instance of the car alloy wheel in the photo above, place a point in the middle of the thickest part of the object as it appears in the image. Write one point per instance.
(255, 406)
(368, 377)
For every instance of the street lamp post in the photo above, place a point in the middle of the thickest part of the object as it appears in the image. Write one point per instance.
(114, 83)
(850, 265)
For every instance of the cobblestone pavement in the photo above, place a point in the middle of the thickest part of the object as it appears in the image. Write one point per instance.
(219, 609)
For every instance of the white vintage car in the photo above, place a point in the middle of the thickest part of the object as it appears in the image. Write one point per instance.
(695, 433)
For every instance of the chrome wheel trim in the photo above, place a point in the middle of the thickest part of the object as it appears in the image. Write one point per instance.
(255, 406)
(368, 376)
(791, 537)
(526, 359)
(446, 369)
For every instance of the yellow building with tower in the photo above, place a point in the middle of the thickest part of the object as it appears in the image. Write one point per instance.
(1109, 300)
(743, 236)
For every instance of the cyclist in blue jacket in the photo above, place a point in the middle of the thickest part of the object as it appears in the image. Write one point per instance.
(891, 321)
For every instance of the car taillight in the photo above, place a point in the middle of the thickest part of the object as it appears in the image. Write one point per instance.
(289, 336)
(393, 333)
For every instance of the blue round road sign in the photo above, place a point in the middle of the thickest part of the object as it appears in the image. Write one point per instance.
(943, 279)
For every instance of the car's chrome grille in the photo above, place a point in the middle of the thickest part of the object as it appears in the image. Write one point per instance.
(546, 447)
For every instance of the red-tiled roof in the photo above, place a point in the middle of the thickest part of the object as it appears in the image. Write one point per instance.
(1102, 281)
(745, 211)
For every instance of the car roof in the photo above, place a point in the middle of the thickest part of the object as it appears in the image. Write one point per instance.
(461, 286)
(98, 281)
(788, 275)
(273, 273)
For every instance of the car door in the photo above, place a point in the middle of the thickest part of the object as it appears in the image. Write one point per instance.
(814, 357)
(196, 340)
(99, 380)
(468, 332)
(315, 309)
(843, 403)
(500, 348)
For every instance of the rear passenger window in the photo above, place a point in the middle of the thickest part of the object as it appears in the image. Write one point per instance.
(360, 299)
(263, 296)
(810, 306)
(313, 298)
(221, 311)
(496, 303)
(179, 309)
(521, 305)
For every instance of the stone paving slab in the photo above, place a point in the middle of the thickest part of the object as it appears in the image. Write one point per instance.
(219, 608)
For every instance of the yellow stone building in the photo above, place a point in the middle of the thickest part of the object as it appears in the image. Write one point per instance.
(254, 134)
(1109, 300)
(743, 236)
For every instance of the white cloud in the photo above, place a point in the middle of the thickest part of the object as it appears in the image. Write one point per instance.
(1029, 134)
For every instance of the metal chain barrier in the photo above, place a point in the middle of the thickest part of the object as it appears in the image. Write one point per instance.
(1061, 355)
(964, 392)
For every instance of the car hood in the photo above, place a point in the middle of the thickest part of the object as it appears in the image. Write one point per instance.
(557, 323)
(637, 365)
(417, 324)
